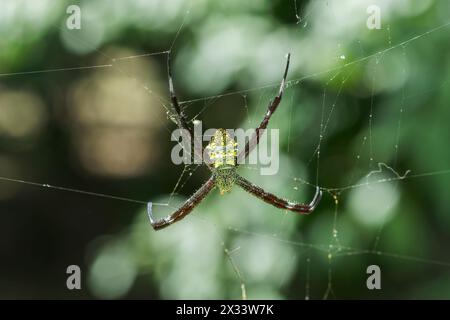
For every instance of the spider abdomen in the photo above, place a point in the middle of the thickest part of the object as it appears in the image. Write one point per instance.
(225, 178)
(222, 151)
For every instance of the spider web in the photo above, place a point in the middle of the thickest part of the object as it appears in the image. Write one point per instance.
(315, 261)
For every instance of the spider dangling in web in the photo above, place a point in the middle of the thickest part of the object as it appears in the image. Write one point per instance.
(225, 159)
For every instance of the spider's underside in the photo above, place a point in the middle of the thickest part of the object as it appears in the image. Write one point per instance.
(225, 159)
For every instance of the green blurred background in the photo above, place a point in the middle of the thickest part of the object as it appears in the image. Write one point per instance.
(364, 96)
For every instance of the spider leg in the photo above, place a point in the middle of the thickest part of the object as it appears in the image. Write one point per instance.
(278, 202)
(180, 117)
(184, 210)
(254, 140)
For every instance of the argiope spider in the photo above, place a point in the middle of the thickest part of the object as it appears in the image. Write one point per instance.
(223, 151)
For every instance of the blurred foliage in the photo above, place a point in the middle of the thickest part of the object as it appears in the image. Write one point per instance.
(365, 96)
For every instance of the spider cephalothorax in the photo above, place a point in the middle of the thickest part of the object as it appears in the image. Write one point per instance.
(222, 151)
(224, 160)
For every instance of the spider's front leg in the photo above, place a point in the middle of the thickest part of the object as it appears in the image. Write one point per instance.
(185, 209)
(180, 117)
(276, 201)
(273, 105)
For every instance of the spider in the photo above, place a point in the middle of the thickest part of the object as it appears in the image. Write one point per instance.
(225, 160)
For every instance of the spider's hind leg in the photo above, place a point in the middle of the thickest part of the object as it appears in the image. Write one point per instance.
(278, 202)
(184, 210)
